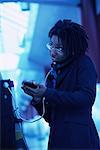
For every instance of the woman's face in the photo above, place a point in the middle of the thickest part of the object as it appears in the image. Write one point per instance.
(55, 48)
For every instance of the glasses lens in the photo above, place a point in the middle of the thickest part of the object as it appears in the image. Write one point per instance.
(59, 49)
(49, 46)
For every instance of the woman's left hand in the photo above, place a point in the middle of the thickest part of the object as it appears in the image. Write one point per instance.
(37, 92)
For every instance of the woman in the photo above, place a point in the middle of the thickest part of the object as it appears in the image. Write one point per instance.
(70, 90)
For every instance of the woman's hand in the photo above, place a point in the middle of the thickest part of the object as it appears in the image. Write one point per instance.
(37, 92)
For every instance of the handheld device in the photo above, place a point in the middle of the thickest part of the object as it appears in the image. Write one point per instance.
(29, 84)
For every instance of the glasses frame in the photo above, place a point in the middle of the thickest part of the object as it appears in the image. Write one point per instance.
(54, 48)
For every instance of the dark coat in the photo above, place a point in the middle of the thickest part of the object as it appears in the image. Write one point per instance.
(69, 106)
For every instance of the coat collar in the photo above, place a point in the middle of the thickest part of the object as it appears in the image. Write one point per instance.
(66, 62)
(61, 69)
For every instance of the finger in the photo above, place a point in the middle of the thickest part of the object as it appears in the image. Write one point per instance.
(30, 90)
(40, 85)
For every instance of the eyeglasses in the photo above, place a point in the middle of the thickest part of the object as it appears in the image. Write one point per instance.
(50, 47)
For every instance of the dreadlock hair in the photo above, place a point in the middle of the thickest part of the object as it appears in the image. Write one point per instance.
(72, 35)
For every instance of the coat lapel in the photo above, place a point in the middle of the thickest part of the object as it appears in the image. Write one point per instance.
(64, 72)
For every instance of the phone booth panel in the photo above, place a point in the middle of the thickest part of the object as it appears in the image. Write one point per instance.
(7, 128)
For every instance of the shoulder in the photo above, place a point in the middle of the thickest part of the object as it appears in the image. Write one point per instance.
(86, 66)
(86, 59)
(86, 62)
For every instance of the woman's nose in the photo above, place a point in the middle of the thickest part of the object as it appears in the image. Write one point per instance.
(53, 51)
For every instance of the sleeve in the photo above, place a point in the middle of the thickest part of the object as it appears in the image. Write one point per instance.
(85, 92)
(39, 107)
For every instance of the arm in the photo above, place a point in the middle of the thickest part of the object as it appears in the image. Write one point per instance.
(83, 95)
